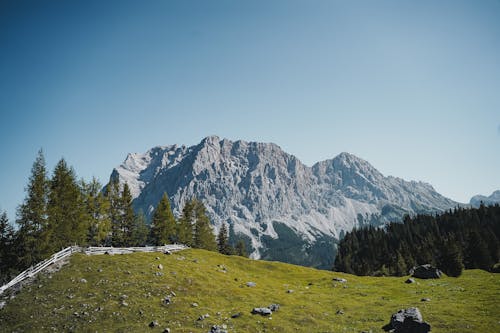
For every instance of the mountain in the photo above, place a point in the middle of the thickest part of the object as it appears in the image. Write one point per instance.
(494, 198)
(284, 209)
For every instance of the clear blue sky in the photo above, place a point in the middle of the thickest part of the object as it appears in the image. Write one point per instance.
(411, 86)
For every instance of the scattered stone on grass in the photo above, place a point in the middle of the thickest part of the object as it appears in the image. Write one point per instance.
(407, 321)
(262, 311)
(251, 284)
(410, 280)
(341, 280)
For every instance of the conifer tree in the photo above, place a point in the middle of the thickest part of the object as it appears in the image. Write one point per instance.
(185, 225)
(127, 215)
(32, 240)
(223, 241)
(97, 209)
(203, 234)
(113, 197)
(451, 259)
(7, 254)
(241, 249)
(140, 231)
(66, 211)
(163, 223)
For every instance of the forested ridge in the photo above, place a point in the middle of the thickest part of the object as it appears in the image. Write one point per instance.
(61, 211)
(454, 240)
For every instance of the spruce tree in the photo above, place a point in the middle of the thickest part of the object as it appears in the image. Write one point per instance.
(7, 254)
(97, 209)
(127, 215)
(241, 249)
(66, 209)
(203, 234)
(163, 223)
(32, 240)
(451, 259)
(186, 224)
(223, 241)
(113, 197)
(140, 231)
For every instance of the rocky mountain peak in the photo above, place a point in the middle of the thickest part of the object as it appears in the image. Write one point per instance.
(270, 198)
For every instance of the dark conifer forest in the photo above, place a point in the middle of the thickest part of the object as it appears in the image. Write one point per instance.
(463, 238)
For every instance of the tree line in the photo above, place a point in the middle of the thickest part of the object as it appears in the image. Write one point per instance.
(62, 211)
(457, 239)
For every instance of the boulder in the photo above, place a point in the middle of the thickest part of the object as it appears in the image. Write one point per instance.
(408, 321)
(341, 280)
(262, 311)
(274, 307)
(426, 271)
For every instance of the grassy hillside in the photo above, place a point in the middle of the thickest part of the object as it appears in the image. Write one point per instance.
(124, 293)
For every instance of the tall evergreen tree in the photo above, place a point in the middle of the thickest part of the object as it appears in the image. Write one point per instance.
(127, 215)
(97, 209)
(140, 231)
(32, 240)
(223, 241)
(186, 224)
(241, 249)
(163, 223)
(203, 234)
(113, 197)
(66, 209)
(7, 254)
(451, 259)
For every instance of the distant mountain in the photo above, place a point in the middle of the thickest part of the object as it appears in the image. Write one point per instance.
(284, 209)
(494, 198)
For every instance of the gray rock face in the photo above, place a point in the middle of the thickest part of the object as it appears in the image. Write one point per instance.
(264, 194)
(425, 272)
(494, 198)
(408, 321)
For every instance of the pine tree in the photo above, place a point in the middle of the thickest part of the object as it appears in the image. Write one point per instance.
(127, 215)
(203, 234)
(141, 231)
(241, 249)
(7, 254)
(32, 239)
(185, 225)
(478, 255)
(113, 197)
(451, 259)
(66, 209)
(223, 241)
(97, 209)
(163, 223)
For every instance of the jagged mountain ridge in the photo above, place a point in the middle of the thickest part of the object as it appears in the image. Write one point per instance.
(266, 194)
(492, 199)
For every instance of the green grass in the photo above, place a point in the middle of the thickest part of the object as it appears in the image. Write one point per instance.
(60, 302)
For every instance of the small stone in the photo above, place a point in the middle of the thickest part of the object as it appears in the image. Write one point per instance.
(425, 299)
(274, 307)
(82, 280)
(203, 317)
(339, 312)
(160, 266)
(289, 291)
(236, 315)
(154, 323)
(173, 293)
(194, 305)
(167, 300)
(166, 330)
(341, 280)
(218, 329)
(157, 258)
(251, 284)
(410, 280)
(262, 311)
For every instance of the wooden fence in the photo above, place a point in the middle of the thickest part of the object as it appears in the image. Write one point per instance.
(33, 270)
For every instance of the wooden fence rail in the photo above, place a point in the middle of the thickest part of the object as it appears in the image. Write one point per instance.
(56, 257)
